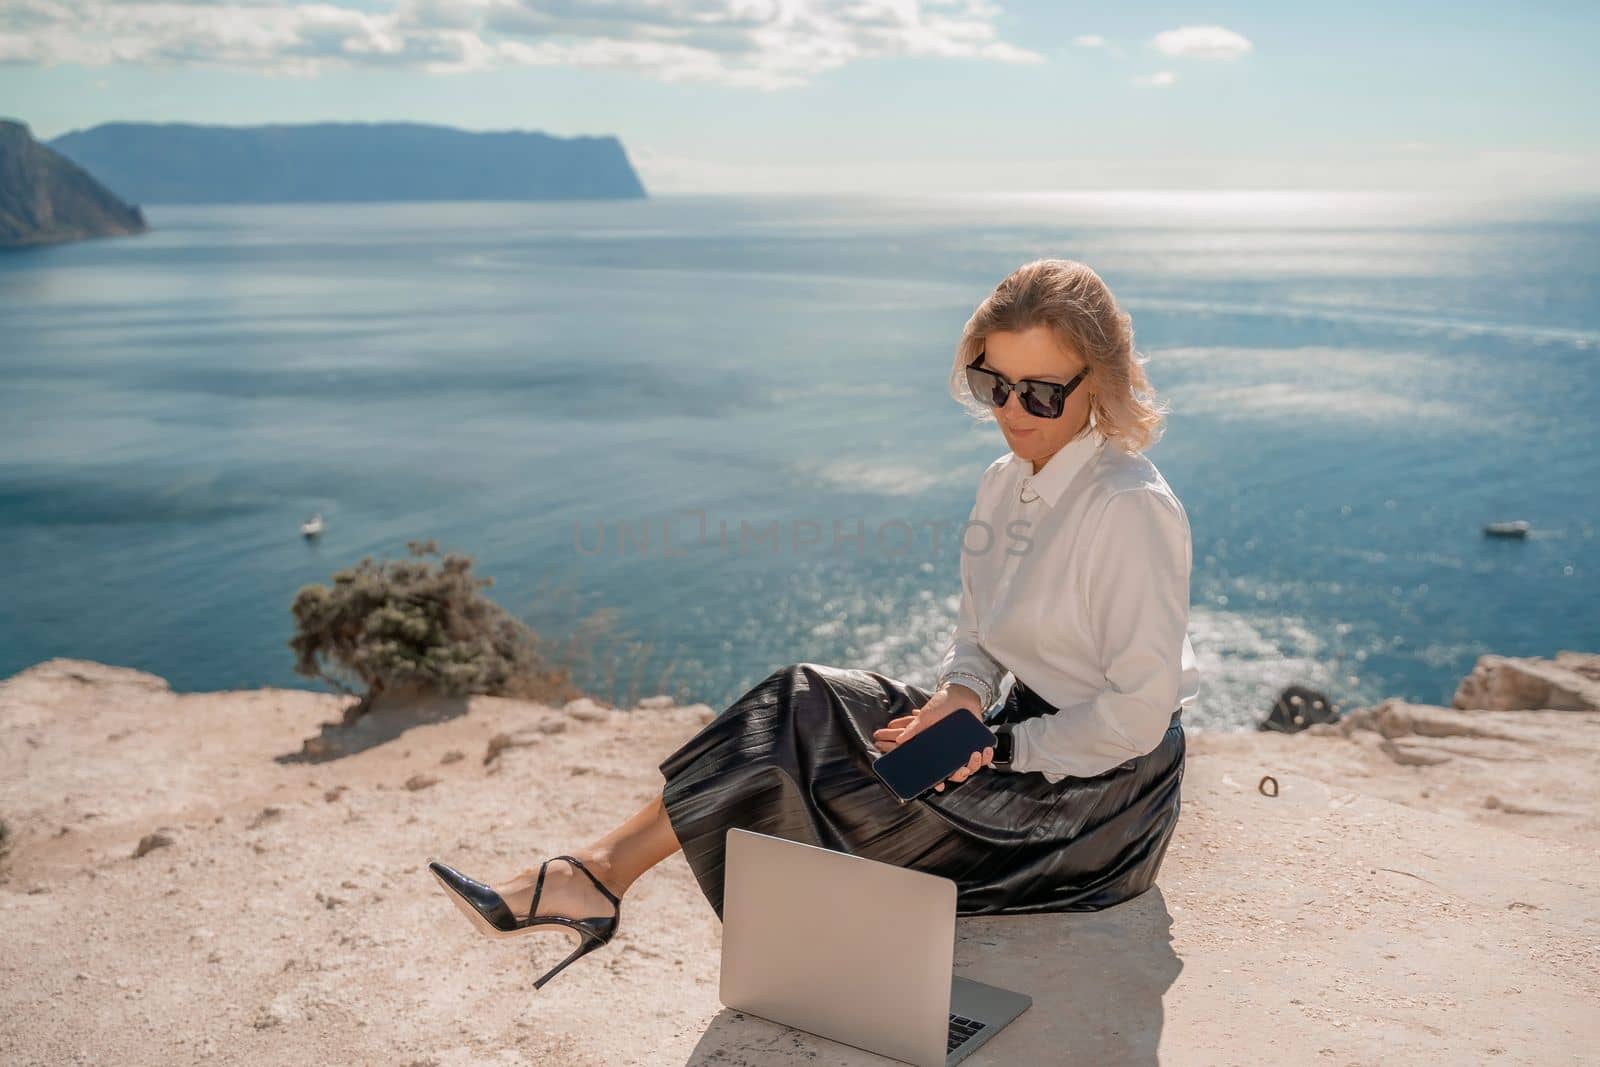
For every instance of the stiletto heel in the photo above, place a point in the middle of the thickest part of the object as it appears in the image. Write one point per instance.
(581, 950)
(493, 917)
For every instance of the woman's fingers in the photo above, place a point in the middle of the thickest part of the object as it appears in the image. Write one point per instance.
(977, 761)
(893, 734)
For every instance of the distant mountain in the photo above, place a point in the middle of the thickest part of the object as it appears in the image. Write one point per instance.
(179, 163)
(45, 197)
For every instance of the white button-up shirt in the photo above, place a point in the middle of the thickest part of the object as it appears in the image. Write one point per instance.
(1076, 581)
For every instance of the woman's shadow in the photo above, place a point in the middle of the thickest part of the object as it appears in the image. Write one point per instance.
(1098, 981)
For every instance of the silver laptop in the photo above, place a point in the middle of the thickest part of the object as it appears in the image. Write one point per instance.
(851, 949)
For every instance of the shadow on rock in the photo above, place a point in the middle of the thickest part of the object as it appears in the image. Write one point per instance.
(388, 717)
(1098, 981)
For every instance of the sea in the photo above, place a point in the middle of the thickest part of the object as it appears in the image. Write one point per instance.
(694, 438)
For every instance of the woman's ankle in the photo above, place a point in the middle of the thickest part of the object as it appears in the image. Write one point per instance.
(600, 864)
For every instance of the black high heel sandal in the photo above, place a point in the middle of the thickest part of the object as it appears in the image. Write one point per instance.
(493, 917)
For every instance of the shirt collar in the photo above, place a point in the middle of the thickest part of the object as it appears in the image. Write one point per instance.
(1062, 468)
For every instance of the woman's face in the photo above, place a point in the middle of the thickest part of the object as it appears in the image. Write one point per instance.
(1035, 353)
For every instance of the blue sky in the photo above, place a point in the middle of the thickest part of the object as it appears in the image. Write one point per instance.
(872, 95)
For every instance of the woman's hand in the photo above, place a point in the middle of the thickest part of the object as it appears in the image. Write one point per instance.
(947, 701)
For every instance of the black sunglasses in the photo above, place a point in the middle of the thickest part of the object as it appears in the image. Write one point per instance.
(1045, 400)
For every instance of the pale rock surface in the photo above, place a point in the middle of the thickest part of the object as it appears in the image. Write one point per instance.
(1422, 890)
(1570, 682)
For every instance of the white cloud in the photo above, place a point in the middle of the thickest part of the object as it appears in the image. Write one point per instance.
(1094, 40)
(1159, 80)
(762, 44)
(1201, 42)
(16, 49)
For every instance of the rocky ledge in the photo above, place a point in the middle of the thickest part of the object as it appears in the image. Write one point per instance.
(188, 881)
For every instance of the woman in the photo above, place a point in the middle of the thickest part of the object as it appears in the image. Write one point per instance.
(1084, 602)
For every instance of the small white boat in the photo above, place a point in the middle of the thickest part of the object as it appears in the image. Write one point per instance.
(312, 526)
(1519, 528)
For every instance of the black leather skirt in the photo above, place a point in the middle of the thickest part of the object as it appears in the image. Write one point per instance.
(793, 758)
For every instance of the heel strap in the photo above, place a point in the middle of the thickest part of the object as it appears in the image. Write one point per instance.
(538, 887)
(598, 884)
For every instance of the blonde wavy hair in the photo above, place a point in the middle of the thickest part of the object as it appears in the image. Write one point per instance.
(1078, 307)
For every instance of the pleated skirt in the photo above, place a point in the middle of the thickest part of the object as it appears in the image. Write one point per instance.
(793, 758)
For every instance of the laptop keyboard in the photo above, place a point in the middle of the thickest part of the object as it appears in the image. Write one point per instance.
(961, 1028)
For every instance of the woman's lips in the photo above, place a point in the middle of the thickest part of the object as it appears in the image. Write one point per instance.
(1017, 433)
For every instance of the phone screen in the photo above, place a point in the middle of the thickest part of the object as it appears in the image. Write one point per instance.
(931, 756)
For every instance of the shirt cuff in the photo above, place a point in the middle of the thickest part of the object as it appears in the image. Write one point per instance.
(1081, 741)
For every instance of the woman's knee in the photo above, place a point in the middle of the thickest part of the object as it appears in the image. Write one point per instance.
(800, 672)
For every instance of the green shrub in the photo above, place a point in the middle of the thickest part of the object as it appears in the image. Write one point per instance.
(416, 627)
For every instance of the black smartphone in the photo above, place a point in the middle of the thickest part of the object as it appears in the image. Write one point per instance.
(913, 769)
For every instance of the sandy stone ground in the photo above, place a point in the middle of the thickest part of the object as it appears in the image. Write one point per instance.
(1424, 891)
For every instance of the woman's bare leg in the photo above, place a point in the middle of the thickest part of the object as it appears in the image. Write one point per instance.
(618, 859)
